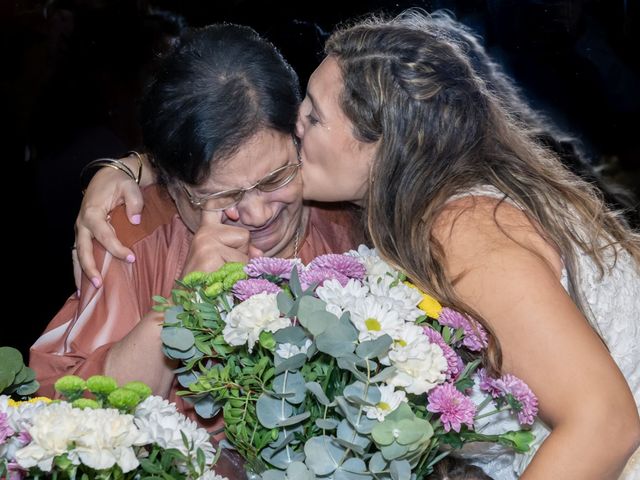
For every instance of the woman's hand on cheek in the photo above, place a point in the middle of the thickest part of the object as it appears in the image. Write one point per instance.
(215, 243)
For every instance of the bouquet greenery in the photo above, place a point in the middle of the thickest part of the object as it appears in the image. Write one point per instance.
(120, 433)
(339, 370)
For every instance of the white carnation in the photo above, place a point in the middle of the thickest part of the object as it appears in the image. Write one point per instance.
(248, 319)
(420, 364)
(211, 475)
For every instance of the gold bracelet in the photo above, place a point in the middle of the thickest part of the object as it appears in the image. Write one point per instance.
(115, 164)
(139, 176)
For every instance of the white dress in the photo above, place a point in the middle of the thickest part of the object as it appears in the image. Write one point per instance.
(613, 306)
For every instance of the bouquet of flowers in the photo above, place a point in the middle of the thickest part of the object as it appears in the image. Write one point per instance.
(121, 433)
(340, 369)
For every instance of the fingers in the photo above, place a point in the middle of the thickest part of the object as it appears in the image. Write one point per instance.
(133, 202)
(255, 252)
(84, 254)
(77, 271)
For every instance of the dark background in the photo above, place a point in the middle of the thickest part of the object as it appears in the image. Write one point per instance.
(74, 69)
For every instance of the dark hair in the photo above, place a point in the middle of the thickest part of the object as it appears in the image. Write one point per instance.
(566, 147)
(218, 88)
(452, 468)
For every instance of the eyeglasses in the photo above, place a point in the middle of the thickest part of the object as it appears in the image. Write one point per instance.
(219, 201)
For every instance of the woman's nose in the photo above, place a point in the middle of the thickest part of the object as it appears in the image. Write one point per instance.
(253, 210)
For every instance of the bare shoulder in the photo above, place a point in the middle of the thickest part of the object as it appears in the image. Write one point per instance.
(477, 231)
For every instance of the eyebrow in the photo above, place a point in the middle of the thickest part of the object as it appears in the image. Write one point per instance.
(315, 106)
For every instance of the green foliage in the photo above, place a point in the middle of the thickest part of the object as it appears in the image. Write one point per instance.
(16, 379)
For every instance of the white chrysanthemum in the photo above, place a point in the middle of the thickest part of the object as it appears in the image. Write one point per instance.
(164, 428)
(374, 319)
(390, 399)
(53, 432)
(372, 262)
(420, 364)
(288, 350)
(248, 319)
(339, 298)
(397, 295)
(107, 440)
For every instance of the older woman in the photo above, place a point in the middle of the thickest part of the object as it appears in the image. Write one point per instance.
(218, 122)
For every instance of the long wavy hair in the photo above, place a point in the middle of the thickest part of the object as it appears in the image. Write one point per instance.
(443, 129)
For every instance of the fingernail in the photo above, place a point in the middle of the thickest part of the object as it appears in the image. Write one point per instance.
(131, 258)
(135, 219)
(96, 282)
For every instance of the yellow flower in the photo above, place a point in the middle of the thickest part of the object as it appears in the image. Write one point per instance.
(14, 403)
(428, 305)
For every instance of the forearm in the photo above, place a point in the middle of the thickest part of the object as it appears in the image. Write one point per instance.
(586, 449)
(138, 356)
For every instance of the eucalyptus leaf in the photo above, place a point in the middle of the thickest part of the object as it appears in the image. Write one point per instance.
(294, 282)
(345, 364)
(285, 303)
(323, 454)
(318, 321)
(207, 407)
(178, 338)
(327, 423)
(336, 341)
(299, 471)
(400, 470)
(273, 475)
(347, 433)
(291, 363)
(187, 378)
(377, 463)
(316, 389)
(282, 440)
(179, 354)
(293, 420)
(271, 410)
(281, 458)
(374, 348)
(171, 315)
(356, 393)
(393, 451)
(293, 334)
(384, 374)
(294, 384)
(27, 389)
(351, 446)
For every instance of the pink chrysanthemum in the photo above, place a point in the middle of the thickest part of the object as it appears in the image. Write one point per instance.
(512, 385)
(5, 429)
(454, 362)
(453, 406)
(15, 471)
(319, 275)
(344, 264)
(488, 384)
(24, 438)
(244, 289)
(278, 267)
(475, 336)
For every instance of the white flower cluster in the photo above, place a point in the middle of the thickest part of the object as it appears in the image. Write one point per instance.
(382, 304)
(248, 319)
(99, 438)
